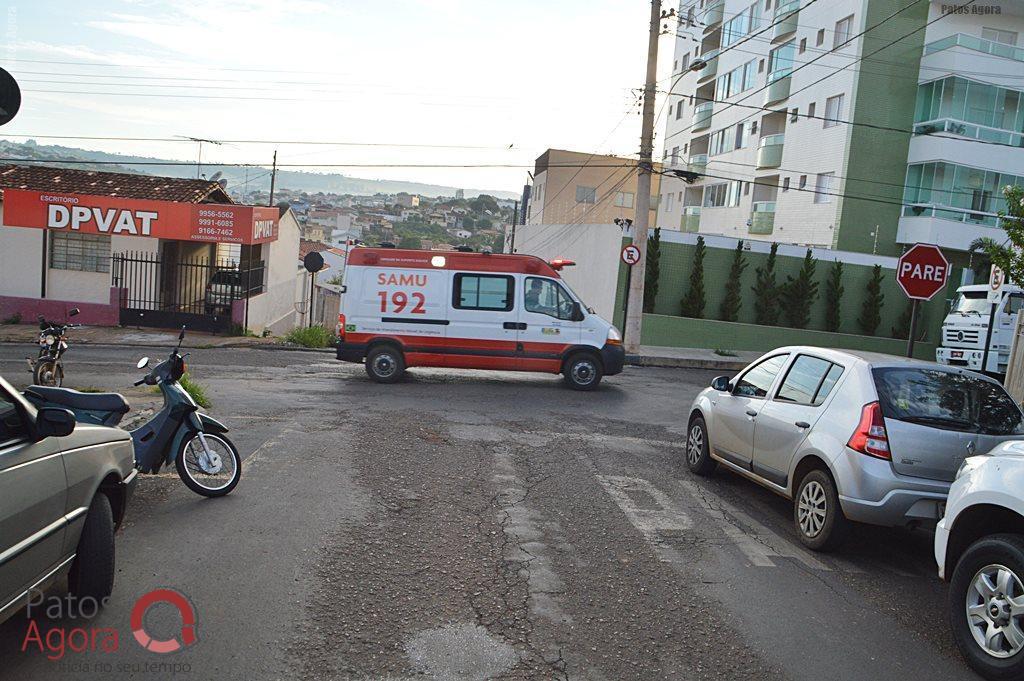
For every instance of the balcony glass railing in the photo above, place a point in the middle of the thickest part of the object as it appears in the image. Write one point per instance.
(769, 140)
(779, 74)
(691, 210)
(764, 206)
(973, 130)
(974, 43)
(787, 7)
(927, 210)
(698, 160)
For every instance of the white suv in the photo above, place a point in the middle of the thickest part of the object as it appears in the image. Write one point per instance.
(979, 546)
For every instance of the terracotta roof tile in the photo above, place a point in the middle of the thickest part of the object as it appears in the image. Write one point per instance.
(125, 185)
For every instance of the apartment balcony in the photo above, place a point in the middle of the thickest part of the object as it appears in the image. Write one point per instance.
(713, 16)
(974, 131)
(697, 163)
(948, 227)
(962, 53)
(769, 151)
(702, 116)
(710, 66)
(690, 221)
(787, 17)
(779, 84)
(762, 219)
(971, 42)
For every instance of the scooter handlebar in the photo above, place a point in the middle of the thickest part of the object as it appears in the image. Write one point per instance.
(139, 382)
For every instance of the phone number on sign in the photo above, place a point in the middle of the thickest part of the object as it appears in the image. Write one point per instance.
(213, 231)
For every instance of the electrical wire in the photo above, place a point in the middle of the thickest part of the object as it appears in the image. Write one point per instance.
(185, 140)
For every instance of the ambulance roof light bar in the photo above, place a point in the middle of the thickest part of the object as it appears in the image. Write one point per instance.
(558, 263)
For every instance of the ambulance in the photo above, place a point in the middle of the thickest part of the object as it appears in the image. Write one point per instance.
(406, 308)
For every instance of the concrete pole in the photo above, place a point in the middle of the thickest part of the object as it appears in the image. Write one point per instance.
(635, 293)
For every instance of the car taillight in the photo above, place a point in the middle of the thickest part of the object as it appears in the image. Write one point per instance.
(870, 437)
(341, 327)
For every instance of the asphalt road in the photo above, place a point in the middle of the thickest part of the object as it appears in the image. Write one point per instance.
(471, 525)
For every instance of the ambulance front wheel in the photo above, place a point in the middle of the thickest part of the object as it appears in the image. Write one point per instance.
(582, 371)
(385, 364)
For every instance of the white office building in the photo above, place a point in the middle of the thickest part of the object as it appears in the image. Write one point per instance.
(936, 102)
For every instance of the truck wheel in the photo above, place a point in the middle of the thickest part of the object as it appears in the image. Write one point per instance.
(582, 371)
(817, 515)
(92, 571)
(984, 614)
(385, 364)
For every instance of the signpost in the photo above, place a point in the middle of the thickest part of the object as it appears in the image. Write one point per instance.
(996, 279)
(631, 256)
(921, 272)
(313, 262)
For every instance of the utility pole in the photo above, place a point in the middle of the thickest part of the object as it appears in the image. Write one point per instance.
(635, 294)
(273, 179)
(515, 221)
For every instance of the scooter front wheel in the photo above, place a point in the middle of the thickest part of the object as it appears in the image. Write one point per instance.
(209, 465)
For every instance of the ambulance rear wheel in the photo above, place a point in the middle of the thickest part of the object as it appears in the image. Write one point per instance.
(583, 371)
(385, 364)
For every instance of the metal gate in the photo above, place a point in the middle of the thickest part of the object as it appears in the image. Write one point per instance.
(168, 293)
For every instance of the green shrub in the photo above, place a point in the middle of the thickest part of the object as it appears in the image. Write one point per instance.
(692, 304)
(310, 337)
(13, 319)
(731, 304)
(196, 390)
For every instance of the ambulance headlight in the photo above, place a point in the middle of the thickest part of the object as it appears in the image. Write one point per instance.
(613, 335)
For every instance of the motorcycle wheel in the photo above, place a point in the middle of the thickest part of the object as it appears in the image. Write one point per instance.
(48, 372)
(200, 482)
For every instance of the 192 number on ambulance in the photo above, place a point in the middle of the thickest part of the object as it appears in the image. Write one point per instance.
(399, 301)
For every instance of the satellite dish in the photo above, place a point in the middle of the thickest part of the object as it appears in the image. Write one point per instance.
(216, 176)
(10, 97)
(313, 262)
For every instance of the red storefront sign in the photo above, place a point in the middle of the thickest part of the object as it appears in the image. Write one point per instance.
(88, 214)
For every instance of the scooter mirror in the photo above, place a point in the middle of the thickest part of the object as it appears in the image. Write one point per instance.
(73, 311)
(143, 363)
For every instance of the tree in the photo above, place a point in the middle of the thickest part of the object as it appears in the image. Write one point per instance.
(730, 309)
(693, 302)
(410, 242)
(498, 245)
(799, 294)
(652, 272)
(902, 328)
(833, 296)
(1008, 255)
(766, 292)
(871, 309)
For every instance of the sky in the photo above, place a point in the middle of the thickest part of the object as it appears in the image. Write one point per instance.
(508, 80)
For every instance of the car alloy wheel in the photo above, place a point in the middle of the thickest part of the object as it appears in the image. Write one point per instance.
(812, 508)
(695, 444)
(995, 611)
(384, 365)
(583, 372)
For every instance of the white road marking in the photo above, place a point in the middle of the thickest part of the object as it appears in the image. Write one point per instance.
(651, 522)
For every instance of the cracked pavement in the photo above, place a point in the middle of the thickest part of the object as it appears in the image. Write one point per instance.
(484, 525)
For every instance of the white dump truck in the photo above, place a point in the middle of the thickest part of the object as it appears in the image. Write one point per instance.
(965, 330)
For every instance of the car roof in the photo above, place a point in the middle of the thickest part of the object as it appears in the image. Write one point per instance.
(873, 359)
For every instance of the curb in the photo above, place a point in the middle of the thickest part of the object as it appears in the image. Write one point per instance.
(686, 363)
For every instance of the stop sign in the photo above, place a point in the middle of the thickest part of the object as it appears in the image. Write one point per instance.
(922, 271)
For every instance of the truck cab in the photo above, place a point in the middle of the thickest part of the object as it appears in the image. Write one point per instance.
(965, 331)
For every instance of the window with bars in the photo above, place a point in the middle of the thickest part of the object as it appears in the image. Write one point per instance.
(80, 252)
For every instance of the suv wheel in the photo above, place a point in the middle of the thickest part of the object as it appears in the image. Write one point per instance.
(986, 606)
(698, 449)
(92, 571)
(818, 518)
(385, 364)
(583, 371)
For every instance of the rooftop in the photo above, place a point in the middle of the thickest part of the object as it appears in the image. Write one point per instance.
(125, 185)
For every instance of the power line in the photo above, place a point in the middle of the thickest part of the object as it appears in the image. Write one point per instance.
(260, 141)
(312, 165)
(874, 126)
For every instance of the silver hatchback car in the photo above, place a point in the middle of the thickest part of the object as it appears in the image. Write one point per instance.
(850, 436)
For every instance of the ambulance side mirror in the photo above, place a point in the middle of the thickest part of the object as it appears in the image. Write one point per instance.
(577, 313)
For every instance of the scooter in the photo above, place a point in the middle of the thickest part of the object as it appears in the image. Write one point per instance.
(207, 461)
(47, 368)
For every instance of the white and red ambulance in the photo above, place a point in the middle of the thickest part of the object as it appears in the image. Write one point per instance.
(403, 308)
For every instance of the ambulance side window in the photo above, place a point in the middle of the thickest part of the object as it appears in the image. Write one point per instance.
(544, 296)
(1014, 304)
(483, 292)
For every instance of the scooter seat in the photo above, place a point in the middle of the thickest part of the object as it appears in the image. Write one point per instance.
(73, 399)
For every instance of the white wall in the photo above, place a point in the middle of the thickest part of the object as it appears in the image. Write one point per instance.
(594, 248)
(274, 309)
(20, 260)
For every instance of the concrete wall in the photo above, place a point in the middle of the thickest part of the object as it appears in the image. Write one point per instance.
(593, 247)
(274, 309)
(96, 314)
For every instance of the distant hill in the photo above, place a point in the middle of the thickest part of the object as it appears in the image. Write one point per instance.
(260, 176)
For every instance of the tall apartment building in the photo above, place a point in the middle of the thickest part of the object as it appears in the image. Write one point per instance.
(577, 187)
(936, 99)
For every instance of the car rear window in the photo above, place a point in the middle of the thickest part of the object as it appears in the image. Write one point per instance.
(947, 400)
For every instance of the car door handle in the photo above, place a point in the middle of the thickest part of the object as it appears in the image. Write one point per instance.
(802, 424)
(514, 325)
(751, 413)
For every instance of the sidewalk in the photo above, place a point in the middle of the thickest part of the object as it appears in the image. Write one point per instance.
(649, 355)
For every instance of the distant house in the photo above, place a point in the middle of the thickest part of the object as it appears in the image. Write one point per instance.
(460, 233)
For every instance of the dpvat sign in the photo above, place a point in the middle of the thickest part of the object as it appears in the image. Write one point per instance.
(115, 216)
